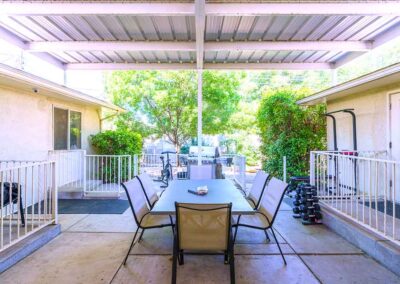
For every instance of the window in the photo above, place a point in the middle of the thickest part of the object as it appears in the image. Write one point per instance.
(67, 129)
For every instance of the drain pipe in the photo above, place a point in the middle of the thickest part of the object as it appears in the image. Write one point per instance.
(335, 148)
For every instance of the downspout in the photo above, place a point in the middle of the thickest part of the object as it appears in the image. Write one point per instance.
(335, 148)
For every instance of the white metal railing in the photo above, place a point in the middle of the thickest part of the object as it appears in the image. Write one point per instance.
(361, 186)
(28, 200)
(70, 167)
(233, 166)
(104, 173)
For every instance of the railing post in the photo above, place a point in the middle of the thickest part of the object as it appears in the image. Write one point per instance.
(135, 165)
(129, 167)
(284, 168)
(84, 171)
(55, 193)
(312, 168)
(243, 171)
(119, 173)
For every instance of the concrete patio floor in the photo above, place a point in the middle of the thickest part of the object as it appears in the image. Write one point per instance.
(91, 249)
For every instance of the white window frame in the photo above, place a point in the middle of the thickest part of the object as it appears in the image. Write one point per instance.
(68, 109)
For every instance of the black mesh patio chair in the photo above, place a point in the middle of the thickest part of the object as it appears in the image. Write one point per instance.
(265, 215)
(14, 197)
(203, 228)
(141, 213)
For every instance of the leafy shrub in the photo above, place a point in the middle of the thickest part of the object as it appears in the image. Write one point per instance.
(290, 130)
(115, 142)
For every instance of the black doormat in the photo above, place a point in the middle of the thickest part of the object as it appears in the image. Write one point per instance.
(92, 206)
(381, 207)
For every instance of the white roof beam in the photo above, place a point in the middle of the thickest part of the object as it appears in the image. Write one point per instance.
(268, 66)
(56, 46)
(200, 28)
(92, 8)
(290, 45)
(16, 41)
(192, 46)
(340, 8)
(190, 66)
(130, 66)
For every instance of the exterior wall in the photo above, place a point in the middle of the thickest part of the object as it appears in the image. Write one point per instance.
(26, 128)
(371, 109)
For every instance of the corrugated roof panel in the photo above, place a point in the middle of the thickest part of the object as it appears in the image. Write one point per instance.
(356, 27)
(213, 27)
(233, 55)
(326, 25)
(125, 56)
(36, 28)
(66, 57)
(268, 56)
(78, 56)
(245, 26)
(115, 27)
(99, 27)
(172, 56)
(149, 56)
(12, 25)
(147, 26)
(57, 56)
(130, 25)
(291, 56)
(163, 27)
(245, 56)
(340, 27)
(180, 28)
(337, 56)
(378, 22)
(136, 56)
(80, 23)
(308, 27)
(279, 56)
(393, 23)
(303, 56)
(114, 56)
(295, 23)
(160, 56)
(260, 27)
(90, 56)
(327, 56)
(276, 27)
(102, 56)
(186, 56)
(316, 56)
(229, 27)
(67, 27)
(256, 56)
(221, 56)
(210, 55)
(52, 28)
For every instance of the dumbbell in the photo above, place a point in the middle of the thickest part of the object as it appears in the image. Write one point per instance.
(318, 215)
(296, 202)
(296, 210)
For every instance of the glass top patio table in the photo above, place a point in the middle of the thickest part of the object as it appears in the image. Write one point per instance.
(219, 191)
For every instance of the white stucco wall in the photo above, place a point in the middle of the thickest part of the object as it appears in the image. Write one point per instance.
(371, 109)
(26, 119)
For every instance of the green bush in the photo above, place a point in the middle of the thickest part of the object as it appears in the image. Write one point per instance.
(116, 142)
(290, 130)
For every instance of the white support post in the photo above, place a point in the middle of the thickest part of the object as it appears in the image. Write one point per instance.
(312, 168)
(199, 114)
(84, 160)
(284, 168)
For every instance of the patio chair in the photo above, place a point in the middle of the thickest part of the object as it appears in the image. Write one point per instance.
(264, 217)
(149, 190)
(143, 219)
(257, 189)
(201, 172)
(203, 228)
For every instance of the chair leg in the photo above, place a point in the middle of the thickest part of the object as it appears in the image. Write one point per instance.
(266, 235)
(181, 258)
(133, 242)
(174, 262)
(279, 247)
(226, 257)
(232, 267)
(141, 235)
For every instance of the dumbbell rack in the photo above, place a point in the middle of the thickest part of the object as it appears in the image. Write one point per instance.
(306, 205)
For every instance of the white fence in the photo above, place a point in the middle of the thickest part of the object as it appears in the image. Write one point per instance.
(232, 166)
(28, 199)
(363, 186)
(70, 167)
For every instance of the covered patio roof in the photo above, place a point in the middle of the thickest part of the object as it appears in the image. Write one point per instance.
(112, 35)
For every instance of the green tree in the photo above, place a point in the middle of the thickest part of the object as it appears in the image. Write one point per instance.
(290, 130)
(165, 103)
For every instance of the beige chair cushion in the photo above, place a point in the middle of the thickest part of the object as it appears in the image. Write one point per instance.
(257, 220)
(203, 230)
(257, 187)
(149, 187)
(155, 220)
(272, 196)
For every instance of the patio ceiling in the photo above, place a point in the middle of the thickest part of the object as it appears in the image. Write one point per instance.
(199, 35)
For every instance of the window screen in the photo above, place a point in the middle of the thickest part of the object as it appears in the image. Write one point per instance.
(60, 129)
